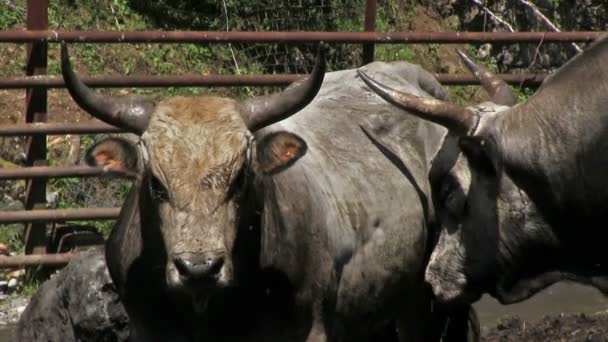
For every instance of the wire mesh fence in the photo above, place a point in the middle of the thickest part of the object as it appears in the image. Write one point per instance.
(266, 15)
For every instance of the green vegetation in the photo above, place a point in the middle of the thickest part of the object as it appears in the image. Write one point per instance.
(522, 94)
(29, 286)
(10, 234)
(11, 16)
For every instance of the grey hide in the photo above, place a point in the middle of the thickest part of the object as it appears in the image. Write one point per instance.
(344, 223)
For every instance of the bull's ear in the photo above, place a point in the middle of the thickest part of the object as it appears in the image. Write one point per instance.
(115, 155)
(279, 150)
(481, 153)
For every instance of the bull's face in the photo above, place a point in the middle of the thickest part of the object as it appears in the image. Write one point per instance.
(470, 198)
(197, 159)
(198, 162)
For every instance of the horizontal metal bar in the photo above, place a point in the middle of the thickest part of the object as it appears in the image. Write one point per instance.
(20, 36)
(44, 172)
(527, 79)
(221, 80)
(57, 129)
(58, 215)
(154, 81)
(35, 260)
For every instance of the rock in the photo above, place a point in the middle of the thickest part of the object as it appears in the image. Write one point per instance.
(3, 249)
(79, 303)
(16, 274)
(52, 199)
(484, 51)
(11, 148)
(9, 307)
(12, 283)
(20, 309)
(8, 203)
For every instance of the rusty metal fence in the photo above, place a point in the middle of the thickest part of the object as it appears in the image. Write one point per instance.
(36, 83)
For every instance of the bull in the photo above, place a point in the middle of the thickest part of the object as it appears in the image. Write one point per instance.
(247, 222)
(522, 206)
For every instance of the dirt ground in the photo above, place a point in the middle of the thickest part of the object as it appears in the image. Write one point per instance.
(561, 328)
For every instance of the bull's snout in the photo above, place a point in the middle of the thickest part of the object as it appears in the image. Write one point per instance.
(199, 266)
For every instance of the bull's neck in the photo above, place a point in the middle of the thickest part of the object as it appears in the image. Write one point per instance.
(535, 254)
(558, 162)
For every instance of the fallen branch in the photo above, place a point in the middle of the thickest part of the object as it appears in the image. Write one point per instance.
(546, 22)
(494, 16)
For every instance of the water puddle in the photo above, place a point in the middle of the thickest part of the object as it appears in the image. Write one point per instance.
(6, 332)
(559, 298)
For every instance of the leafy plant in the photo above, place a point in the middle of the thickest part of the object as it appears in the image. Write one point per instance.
(29, 286)
(10, 234)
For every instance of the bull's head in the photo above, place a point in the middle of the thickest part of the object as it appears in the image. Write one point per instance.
(518, 168)
(196, 156)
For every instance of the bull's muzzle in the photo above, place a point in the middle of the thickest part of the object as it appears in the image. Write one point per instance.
(199, 266)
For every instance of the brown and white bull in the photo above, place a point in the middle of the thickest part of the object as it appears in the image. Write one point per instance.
(267, 248)
(524, 206)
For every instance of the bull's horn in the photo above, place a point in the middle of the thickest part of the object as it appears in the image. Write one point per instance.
(440, 112)
(261, 111)
(129, 113)
(499, 90)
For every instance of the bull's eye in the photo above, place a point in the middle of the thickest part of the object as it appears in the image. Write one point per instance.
(158, 192)
(452, 198)
(237, 185)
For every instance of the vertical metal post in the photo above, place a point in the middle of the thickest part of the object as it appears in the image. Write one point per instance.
(370, 26)
(35, 111)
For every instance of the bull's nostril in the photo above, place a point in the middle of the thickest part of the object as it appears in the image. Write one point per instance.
(198, 266)
(183, 266)
(215, 265)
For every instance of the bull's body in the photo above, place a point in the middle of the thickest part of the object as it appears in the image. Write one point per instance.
(238, 230)
(333, 221)
(333, 224)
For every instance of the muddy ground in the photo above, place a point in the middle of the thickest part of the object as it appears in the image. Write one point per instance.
(559, 328)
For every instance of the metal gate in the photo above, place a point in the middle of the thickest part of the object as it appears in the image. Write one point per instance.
(36, 83)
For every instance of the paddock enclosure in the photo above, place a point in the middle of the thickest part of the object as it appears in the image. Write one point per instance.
(43, 249)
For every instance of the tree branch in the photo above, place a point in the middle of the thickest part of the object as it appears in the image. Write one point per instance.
(494, 16)
(546, 22)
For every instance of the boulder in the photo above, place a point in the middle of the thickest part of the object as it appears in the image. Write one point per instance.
(79, 303)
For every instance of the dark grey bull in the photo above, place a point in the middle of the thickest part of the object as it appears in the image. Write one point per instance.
(225, 236)
(525, 206)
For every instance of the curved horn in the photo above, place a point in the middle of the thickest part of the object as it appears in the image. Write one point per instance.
(129, 113)
(499, 90)
(440, 112)
(261, 111)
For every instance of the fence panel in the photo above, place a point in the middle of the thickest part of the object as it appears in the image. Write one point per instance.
(36, 82)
